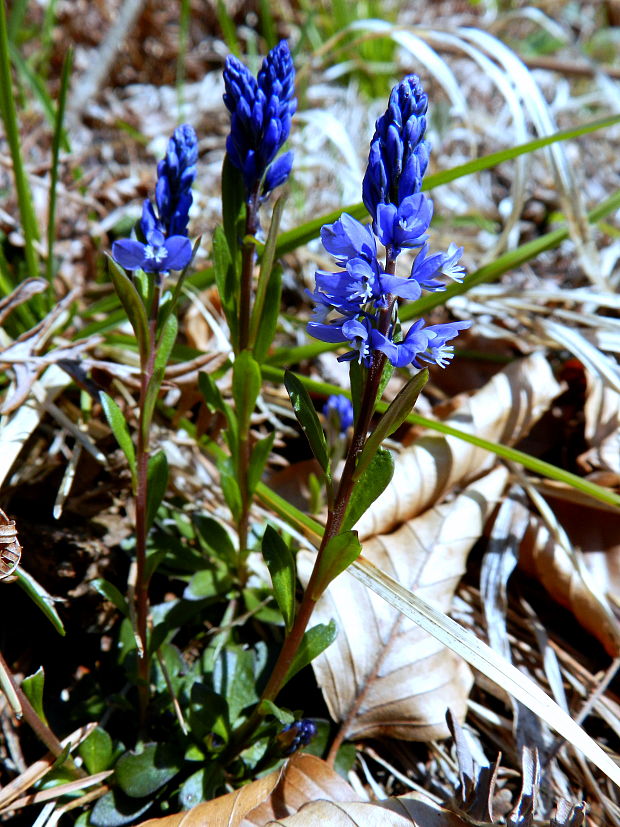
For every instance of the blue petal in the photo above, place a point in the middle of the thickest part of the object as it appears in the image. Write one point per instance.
(128, 253)
(278, 172)
(179, 253)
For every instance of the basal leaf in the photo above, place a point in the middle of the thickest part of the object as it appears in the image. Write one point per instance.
(281, 564)
(307, 418)
(33, 686)
(140, 774)
(40, 597)
(97, 751)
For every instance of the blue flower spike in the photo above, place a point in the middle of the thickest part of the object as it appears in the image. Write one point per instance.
(260, 119)
(339, 410)
(166, 246)
(358, 304)
(296, 735)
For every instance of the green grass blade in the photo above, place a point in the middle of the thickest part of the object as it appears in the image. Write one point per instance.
(292, 239)
(545, 469)
(56, 142)
(9, 117)
(229, 30)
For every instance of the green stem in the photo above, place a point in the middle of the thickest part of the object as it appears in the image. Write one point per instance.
(142, 462)
(334, 522)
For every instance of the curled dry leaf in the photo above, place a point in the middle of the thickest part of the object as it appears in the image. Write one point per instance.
(414, 809)
(503, 411)
(384, 675)
(302, 779)
(602, 426)
(10, 549)
(565, 575)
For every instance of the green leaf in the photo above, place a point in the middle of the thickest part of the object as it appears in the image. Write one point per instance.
(258, 460)
(227, 280)
(230, 486)
(337, 556)
(213, 537)
(120, 429)
(308, 419)
(246, 386)
(267, 297)
(97, 751)
(157, 482)
(116, 810)
(234, 678)
(281, 565)
(357, 380)
(315, 641)
(545, 469)
(140, 774)
(282, 715)
(369, 486)
(163, 349)
(40, 597)
(133, 304)
(215, 401)
(111, 593)
(399, 409)
(33, 687)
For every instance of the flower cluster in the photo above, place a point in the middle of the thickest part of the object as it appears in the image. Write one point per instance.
(296, 735)
(260, 112)
(364, 293)
(165, 246)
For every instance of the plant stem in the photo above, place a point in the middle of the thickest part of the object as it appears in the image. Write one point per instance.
(245, 306)
(334, 522)
(142, 461)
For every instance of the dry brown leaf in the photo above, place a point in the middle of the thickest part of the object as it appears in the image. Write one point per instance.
(503, 410)
(302, 779)
(384, 675)
(413, 809)
(565, 577)
(602, 426)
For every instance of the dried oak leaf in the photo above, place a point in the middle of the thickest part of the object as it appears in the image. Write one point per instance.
(383, 675)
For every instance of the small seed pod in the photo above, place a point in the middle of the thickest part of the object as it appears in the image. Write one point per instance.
(10, 549)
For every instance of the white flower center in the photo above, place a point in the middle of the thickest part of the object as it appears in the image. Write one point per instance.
(156, 254)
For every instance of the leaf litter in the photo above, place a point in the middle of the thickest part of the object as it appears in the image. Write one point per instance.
(445, 467)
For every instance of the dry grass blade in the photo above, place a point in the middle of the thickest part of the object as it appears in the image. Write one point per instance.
(502, 411)
(395, 679)
(482, 657)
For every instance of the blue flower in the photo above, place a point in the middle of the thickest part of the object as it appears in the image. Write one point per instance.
(339, 409)
(298, 734)
(398, 154)
(165, 246)
(175, 176)
(421, 344)
(426, 267)
(159, 254)
(348, 238)
(261, 110)
(405, 225)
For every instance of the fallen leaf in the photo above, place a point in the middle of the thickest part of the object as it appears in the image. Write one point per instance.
(384, 675)
(566, 577)
(302, 779)
(503, 411)
(602, 426)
